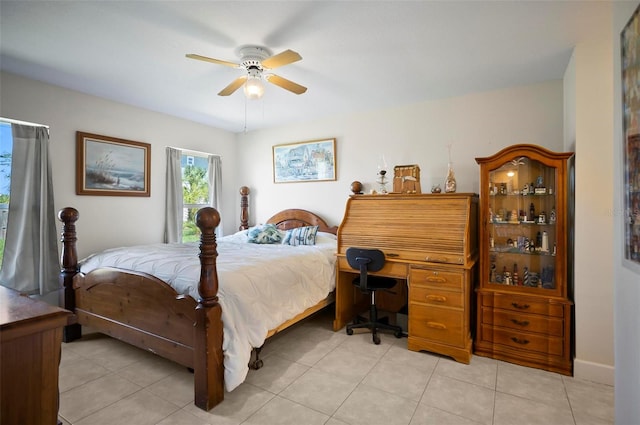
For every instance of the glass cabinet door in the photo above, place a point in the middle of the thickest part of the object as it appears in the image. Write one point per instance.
(521, 224)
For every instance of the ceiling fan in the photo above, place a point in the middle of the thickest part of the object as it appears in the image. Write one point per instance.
(255, 60)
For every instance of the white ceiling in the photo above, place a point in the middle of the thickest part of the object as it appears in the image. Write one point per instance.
(357, 55)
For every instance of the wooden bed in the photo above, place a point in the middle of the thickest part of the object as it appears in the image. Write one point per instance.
(144, 311)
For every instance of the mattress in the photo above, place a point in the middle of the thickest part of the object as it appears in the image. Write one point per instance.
(260, 285)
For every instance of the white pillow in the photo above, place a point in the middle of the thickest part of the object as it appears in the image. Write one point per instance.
(301, 236)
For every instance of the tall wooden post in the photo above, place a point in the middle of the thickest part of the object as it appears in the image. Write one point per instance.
(208, 357)
(244, 208)
(69, 268)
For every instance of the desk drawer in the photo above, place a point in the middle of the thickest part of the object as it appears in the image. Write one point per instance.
(435, 296)
(436, 323)
(523, 305)
(537, 343)
(524, 322)
(436, 278)
(390, 269)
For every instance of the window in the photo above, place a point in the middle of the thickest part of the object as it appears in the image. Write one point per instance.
(6, 146)
(195, 193)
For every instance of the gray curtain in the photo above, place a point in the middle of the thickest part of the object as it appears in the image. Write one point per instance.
(30, 263)
(174, 203)
(215, 187)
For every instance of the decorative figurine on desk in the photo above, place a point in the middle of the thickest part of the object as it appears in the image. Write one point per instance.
(406, 179)
(356, 188)
(450, 185)
(436, 188)
(382, 180)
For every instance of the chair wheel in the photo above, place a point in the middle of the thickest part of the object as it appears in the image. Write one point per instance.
(349, 331)
(258, 364)
(376, 339)
(398, 334)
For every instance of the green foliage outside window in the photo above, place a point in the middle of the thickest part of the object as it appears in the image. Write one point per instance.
(195, 194)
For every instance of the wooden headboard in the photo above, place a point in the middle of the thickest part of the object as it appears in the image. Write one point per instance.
(292, 218)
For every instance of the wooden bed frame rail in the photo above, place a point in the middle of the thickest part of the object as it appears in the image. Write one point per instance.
(149, 313)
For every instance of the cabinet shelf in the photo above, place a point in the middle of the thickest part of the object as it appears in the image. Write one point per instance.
(520, 195)
(511, 250)
(519, 223)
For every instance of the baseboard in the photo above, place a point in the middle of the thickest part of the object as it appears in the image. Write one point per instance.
(595, 372)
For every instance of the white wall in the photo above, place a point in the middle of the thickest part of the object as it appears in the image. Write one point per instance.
(107, 221)
(626, 280)
(476, 125)
(589, 78)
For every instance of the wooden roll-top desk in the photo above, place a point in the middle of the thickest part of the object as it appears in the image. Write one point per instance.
(431, 242)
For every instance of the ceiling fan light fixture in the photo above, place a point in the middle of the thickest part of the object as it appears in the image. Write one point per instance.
(253, 88)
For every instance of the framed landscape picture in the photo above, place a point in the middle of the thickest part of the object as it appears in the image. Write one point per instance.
(112, 167)
(310, 161)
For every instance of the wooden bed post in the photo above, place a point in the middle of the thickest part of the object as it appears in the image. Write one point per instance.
(244, 208)
(208, 362)
(69, 268)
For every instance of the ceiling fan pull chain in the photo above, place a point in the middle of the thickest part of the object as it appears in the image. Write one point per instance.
(245, 115)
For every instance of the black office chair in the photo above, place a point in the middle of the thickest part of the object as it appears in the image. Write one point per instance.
(370, 260)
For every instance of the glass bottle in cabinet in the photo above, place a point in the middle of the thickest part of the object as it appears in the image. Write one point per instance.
(524, 312)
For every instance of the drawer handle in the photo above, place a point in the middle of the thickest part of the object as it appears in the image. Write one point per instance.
(520, 341)
(436, 325)
(391, 254)
(436, 279)
(437, 259)
(520, 322)
(520, 306)
(437, 298)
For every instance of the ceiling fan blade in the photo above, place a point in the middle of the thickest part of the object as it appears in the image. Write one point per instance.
(235, 85)
(212, 60)
(286, 84)
(284, 58)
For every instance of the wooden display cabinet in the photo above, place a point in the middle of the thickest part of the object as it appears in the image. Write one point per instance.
(524, 307)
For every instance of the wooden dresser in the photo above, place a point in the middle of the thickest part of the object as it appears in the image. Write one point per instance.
(430, 241)
(30, 338)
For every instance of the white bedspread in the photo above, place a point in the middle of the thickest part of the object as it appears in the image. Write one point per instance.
(260, 286)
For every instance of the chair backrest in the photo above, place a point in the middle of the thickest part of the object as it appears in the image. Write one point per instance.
(365, 260)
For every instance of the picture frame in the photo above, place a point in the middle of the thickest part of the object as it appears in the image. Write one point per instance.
(309, 161)
(630, 67)
(108, 166)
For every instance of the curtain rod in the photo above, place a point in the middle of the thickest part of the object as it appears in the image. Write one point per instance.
(196, 152)
(12, 121)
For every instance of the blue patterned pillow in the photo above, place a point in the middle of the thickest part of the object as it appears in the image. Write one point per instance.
(264, 234)
(301, 236)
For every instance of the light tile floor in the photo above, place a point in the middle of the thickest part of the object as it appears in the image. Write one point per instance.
(312, 375)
